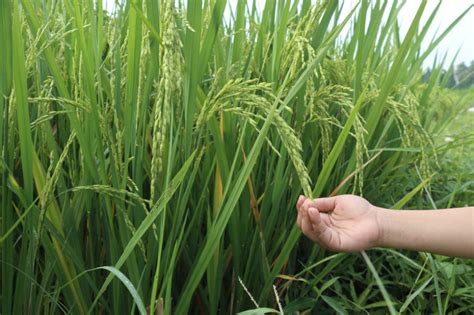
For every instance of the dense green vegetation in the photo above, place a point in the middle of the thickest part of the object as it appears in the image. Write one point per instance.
(460, 76)
(151, 157)
(454, 185)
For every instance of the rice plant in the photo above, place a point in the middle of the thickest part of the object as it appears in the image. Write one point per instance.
(151, 156)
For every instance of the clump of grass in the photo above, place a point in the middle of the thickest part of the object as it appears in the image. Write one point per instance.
(171, 140)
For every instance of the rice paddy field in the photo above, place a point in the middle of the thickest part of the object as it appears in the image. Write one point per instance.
(152, 156)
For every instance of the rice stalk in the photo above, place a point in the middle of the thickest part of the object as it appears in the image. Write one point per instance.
(169, 89)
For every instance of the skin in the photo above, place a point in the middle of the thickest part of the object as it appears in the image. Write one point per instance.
(350, 223)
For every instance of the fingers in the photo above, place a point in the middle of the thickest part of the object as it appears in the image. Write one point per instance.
(303, 204)
(298, 219)
(307, 203)
(323, 234)
(300, 201)
(303, 220)
(316, 221)
(306, 226)
(311, 227)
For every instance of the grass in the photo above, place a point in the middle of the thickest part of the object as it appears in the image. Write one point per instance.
(151, 157)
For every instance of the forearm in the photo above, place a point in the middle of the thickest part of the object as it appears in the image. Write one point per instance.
(447, 232)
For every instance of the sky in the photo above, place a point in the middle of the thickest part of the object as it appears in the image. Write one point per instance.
(460, 38)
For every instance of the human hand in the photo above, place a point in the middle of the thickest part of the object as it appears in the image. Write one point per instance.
(344, 223)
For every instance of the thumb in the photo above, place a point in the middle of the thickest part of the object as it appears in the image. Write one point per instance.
(325, 204)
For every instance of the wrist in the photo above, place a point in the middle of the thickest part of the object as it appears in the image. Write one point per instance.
(383, 220)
